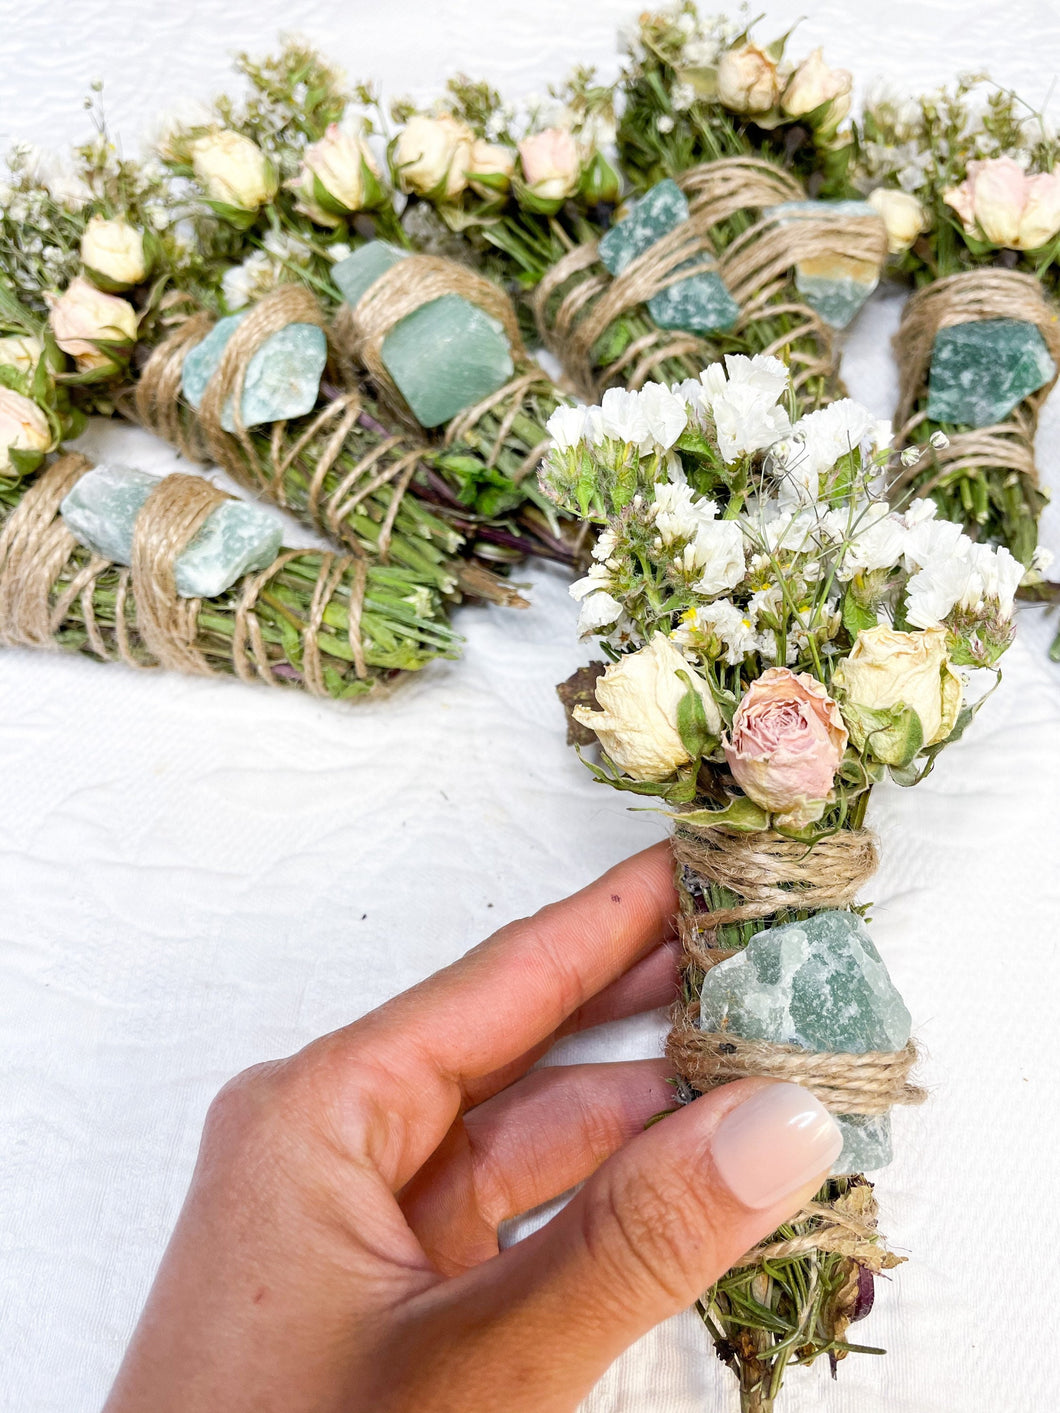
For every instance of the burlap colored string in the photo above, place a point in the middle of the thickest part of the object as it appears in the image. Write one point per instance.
(36, 548)
(755, 269)
(770, 874)
(202, 438)
(361, 329)
(964, 299)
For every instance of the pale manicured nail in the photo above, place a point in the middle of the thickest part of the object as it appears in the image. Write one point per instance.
(773, 1143)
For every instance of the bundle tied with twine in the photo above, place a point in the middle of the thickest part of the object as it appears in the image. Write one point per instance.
(579, 301)
(361, 330)
(264, 465)
(963, 299)
(52, 590)
(768, 876)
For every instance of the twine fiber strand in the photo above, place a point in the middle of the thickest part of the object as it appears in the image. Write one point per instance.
(962, 299)
(755, 268)
(202, 438)
(36, 550)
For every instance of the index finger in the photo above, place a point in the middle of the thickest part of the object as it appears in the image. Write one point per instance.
(516, 988)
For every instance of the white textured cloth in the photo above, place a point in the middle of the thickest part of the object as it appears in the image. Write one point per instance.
(197, 875)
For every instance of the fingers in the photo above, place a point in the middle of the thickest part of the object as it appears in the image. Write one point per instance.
(650, 1232)
(537, 1139)
(396, 1080)
(650, 983)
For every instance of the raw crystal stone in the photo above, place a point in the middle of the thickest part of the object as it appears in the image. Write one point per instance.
(981, 371)
(237, 537)
(834, 285)
(283, 376)
(658, 211)
(445, 356)
(701, 304)
(819, 984)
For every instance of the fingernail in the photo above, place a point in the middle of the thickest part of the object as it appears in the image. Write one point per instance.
(774, 1143)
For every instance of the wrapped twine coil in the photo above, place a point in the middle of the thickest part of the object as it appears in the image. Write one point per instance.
(964, 299)
(153, 626)
(361, 330)
(201, 437)
(755, 268)
(771, 874)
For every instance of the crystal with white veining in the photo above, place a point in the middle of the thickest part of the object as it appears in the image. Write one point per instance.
(282, 378)
(981, 371)
(819, 984)
(236, 538)
(836, 285)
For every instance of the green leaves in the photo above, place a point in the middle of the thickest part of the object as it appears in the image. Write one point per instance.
(692, 726)
(741, 815)
(893, 735)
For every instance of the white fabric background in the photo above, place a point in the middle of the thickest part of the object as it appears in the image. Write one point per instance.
(195, 876)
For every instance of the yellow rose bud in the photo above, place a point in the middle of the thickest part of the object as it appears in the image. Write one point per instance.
(640, 695)
(903, 217)
(113, 252)
(433, 155)
(20, 351)
(23, 426)
(233, 170)
(888, 669)
(748, 81)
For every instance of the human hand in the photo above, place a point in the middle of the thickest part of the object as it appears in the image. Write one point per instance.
(337, 1251)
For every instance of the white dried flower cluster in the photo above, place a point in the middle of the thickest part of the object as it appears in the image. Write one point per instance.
(769, 569)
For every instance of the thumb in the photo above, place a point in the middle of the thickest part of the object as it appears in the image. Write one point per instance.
(655, 1227)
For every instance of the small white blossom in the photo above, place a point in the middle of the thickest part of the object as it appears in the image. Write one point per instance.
(598, 610)
(665, 414)
(566, 427)
(622, 418)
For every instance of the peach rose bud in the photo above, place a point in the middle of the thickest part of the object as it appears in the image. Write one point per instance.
(551, 163)
(787, 741)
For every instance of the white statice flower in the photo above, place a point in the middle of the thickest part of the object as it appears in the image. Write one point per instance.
(567, 427)
(838, 429)
(733, 626)
(936, 589)
(998, 574)
(720, 550)
(713, 549)
(598, 611)
(678, 514)
(622, 418)
(876, 541)
(665, 413)
(597, 577)
(742, 398)
(606, 544)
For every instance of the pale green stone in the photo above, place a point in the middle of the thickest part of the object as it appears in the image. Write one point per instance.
(701, 304)
(445, 356)
(981, 371)
(283, 375)
(657, 212)
(835, 286)
(819, 984)
(236, 538)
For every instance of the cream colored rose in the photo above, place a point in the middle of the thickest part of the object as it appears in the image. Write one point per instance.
(114, 251)
(491, 167)
(233, 170)
(338, 175)
(902, 215)
(814, 84)
(887, 669)
(20, 351)
(999, 202)
(23, 426)
(748, 81)
(552, 164)
(84, 316)
(640, 695)
(434, 155)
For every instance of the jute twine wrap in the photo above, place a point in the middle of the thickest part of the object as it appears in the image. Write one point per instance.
(770, 874)
(756, 268)
(361, 331)
(201, 437)
(965, 299)
(153, 626)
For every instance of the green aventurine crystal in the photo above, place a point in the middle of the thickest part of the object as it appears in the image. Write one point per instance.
(834, 285)
(819, 984)
(445, 356)
(981, 371)
(237, 537)
(699, 304)
(282, 379)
